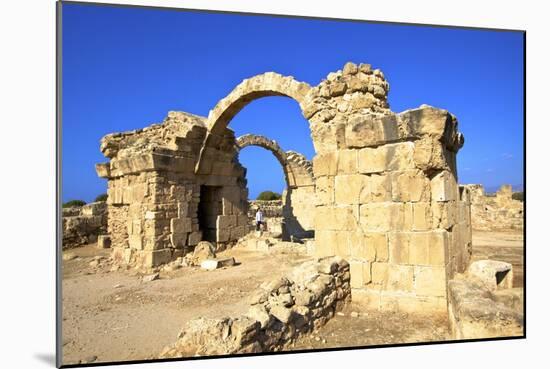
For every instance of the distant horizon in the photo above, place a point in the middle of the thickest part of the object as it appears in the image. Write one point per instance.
(119, 77)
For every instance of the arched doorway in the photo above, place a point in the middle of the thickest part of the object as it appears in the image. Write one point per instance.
(298, 197)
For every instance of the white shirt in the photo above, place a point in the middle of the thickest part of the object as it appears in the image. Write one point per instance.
(259, 216)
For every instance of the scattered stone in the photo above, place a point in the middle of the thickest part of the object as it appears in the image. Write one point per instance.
(212, 264)
(151, 277)
(118, 286)
(94, 263)
(354, 314)
(259, 313)
(69, 256)
(281, 312)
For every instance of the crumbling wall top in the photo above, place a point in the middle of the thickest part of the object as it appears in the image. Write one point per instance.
(166, 135)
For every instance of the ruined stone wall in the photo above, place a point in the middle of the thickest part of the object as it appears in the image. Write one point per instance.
(387, 195)
(154, 194)
(82, 225)
(499, 213)
(280, 311)
(383, 193)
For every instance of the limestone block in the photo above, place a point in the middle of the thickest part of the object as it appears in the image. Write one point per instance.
(492, 274)
(347, 162)
(439, 248)
(398, 245)
(360, 272)
(428, 121)
(372, 160)
(422, 216)
(443, 187)
(184, 209)
(361, 246)
(222, 168)
(444, 214)
(419, 248)
(335, 218)
(178, 240)
(325, 243)
(324, 187)
(135, 241)
(385, 216)
(379, 272)
(349, 187)
(380, 242)
(238, 232)
(226, 221)
(365, 130)
(227, 207)
(410, 303)
(325, 164)
(430, 281)
(377, 189)
(368, 298)
(259, 314)
(180, 225)
(222, 235)
(400, 278)
(157, 257)
(213, 264)
(194, 238)
(103, 170)
(399, 156)
(342, 243)
(242, 220)
(410, 186)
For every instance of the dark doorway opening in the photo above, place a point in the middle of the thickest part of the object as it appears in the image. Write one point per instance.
(210, 206)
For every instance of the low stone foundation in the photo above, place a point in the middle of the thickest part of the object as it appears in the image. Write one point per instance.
(280, 311)
(82, 225)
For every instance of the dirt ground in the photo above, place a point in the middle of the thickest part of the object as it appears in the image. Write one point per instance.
(354, 326)
(504, 246)
(114, 315)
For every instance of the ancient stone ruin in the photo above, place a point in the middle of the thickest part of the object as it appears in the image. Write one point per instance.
(381, 192)
(498, 212)
(84, 224)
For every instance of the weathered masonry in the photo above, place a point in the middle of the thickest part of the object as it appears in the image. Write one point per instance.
(299, 196)
(383, 186)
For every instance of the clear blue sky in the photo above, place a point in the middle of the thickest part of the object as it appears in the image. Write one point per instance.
(125, 68)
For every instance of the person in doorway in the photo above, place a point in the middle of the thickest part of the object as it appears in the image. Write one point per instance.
(259, 219)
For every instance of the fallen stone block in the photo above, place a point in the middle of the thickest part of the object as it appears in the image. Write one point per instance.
(150, 278)
(492, 274)
(213, 264)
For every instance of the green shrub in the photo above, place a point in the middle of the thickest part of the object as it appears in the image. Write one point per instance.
(268, 196)
(102, 197)
(72, 203)
(518, 196)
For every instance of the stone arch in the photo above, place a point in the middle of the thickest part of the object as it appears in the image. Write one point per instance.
(300, 185)
(297, 169)
(263, 85)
